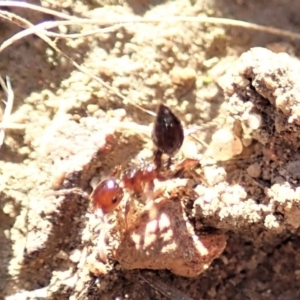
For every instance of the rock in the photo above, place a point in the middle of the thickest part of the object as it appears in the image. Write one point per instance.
(161, 237)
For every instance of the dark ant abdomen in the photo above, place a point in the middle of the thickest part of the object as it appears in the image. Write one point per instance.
(167, 134)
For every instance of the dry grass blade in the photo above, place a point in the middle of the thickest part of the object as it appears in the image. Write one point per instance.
(36, 8)
(84, 34)
(8, 108)
(21, 22)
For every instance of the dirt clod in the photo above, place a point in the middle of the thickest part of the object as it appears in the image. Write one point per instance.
(161, 237)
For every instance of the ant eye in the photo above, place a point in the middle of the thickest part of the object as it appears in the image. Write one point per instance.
(114, 200)
(167, 134)
(107, 195)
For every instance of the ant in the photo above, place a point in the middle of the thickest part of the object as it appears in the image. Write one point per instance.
(167, 136)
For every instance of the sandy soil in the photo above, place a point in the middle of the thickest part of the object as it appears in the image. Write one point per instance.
(244, 211)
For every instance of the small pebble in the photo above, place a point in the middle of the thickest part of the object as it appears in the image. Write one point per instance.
(254, 170)
(92, 108)
(254, 121)
(62, 255)
(224, 145)
(183, 77)
(75, 255)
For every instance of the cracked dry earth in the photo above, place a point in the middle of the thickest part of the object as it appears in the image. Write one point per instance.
(228, 228)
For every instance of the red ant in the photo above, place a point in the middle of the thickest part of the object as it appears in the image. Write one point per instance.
(167, 136)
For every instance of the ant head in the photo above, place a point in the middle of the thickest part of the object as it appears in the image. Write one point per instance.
(107, 195)
(167, 134)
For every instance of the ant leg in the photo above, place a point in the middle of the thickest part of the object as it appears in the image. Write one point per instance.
(169, 162)
(127, 210)
(102, 245)
(157, 159)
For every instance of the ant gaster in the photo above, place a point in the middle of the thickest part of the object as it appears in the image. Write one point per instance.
(167, 134)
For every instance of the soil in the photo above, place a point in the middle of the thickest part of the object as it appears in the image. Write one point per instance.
(73, 132)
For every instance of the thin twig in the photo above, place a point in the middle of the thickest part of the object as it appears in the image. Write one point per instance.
(8, 108)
